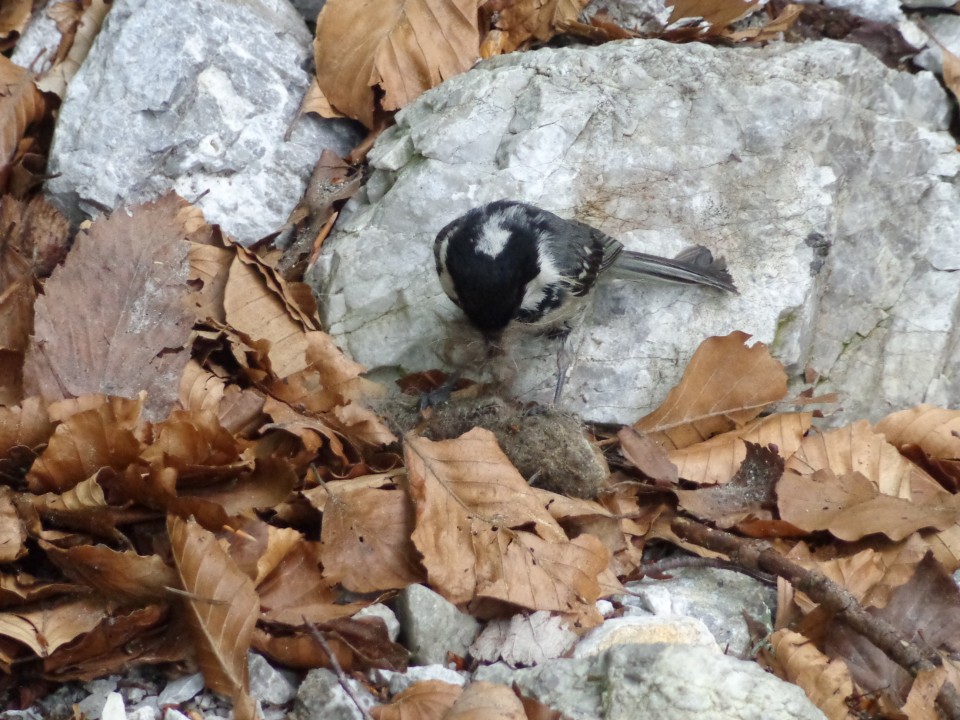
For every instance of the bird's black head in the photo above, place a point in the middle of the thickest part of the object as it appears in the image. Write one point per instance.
(485, 259)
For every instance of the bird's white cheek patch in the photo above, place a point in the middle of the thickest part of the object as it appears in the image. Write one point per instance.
(535, 292)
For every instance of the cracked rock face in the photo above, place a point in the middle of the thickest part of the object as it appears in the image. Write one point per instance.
(825, 179)
(196, 96)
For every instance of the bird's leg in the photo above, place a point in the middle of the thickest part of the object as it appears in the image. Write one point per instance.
(564, 358)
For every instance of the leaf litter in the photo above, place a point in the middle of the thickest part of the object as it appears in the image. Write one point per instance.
(194, 462)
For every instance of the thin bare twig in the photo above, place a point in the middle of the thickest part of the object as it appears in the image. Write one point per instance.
(760, 555)
(337, 669)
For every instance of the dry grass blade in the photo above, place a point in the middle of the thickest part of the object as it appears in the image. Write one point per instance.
(222, 610)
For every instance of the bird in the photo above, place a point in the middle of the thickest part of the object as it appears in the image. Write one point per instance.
(509, 262)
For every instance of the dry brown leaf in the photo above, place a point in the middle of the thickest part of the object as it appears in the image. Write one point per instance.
(769, 32)
(76, 43)
(749, 494)
(26, 425)
(357, 643)
(717, 459)
(316, 102)
(21, 104)
(297, 591)
(927, 607)
(934, 431)
(209, 270)
(143, 635)
(425, 700)
(826, 682)
(487, 701)
(716, 14)
(399, 48)
(526, 20)
(365, 538)
(13, 535)
(21, 589)
(857, 448)
(193, 442)
(239, 410)
(471, 504)
(86, 442)
(45, 629)
(269, 483)
(648, 456)
(259, 548)
(222, 610)
(36, 230)
(851, 507)
(14, 15)
(122, 576)
(726, 385)
(112, 318)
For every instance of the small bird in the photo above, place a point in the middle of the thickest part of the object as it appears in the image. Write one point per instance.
(508, 262)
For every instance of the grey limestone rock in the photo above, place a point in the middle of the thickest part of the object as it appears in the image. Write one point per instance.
(195, 96)
(668, 682)
(826, 179)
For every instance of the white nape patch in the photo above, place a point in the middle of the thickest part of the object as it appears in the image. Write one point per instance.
(495, 234)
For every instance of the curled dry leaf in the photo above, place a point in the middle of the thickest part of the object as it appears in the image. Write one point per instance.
(526, 20)
(726, 385)
(22, 588)
(21, 105)
(857, 448)
(36, 230)
(487, 700)
(749, 494)
(357, 643)
(473, 511)
(934, 431)
(850, 507)
(83, 444)
(238, 410)
(79, 32)
(397, 48)
(51, 626)
(122, 576)
(365, 538)
(927, 607)
(142, 635)
(715, 15)
(26, 425)
(826, 682)
(14, 15)
(425, 700)
(716, 460)
(297, 591)
(12, 533)
(222, 610)
(113, 317)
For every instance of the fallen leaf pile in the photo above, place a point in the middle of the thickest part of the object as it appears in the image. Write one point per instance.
(190, 468)
(188, 463)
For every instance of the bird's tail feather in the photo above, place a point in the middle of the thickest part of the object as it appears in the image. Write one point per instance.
(694, 266)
